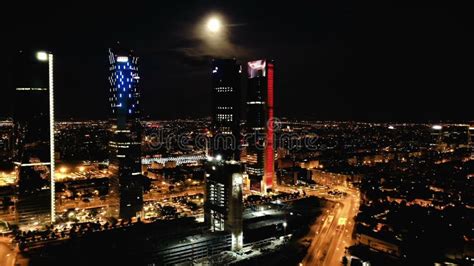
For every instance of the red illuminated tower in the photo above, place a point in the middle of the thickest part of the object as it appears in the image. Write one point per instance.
(260, 135)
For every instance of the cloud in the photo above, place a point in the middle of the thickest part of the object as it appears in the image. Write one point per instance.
(198, 46)
(189, 57)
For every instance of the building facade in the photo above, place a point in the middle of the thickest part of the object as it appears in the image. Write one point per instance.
(223, 195)
(34, 138)
(126, 185)
(226, 99)
(223, 202)
(260, 135)
(192, 248)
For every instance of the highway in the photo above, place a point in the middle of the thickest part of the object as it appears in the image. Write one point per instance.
(331, 233)
(155, 196)
(10, 255)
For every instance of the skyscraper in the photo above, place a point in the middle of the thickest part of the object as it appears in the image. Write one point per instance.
(34, 138)
(223, 205)
(260, 153)
(126, 185)
(226, 97)
(223, 196)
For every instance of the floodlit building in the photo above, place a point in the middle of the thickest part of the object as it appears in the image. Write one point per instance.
(223, 203)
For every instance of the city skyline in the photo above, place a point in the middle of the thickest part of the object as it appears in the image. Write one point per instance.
(334, 61)
(237, 133)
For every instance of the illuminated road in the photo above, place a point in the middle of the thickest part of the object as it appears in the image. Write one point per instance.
(332, 232)
(153, 196)
(9, 255)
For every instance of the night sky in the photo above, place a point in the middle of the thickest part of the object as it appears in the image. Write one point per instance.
(335, 60)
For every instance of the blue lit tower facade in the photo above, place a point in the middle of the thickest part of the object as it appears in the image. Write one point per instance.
(34, 138)
(126, 184)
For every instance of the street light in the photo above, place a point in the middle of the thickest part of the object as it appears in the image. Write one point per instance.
(63, 170)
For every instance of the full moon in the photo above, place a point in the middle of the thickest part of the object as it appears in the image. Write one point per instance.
(214, 24)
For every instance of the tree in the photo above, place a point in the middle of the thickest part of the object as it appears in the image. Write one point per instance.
(344, 260)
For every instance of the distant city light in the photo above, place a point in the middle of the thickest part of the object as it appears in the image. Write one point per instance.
(214, 24)
(391, 127)
(42, 56)
(437, 127)
(218, 157)
(63, 170)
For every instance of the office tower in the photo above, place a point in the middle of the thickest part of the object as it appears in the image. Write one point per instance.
(260, 151)
(223, 204)
(34, 138)
(126, 184)
(223, 196)
(226, 100)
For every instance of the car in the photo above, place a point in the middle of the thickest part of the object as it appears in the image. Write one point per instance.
(248, 252)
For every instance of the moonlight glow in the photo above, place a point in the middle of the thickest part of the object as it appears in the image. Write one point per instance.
(214, 24)
(42, 56)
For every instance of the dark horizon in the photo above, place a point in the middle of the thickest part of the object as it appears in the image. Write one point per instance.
(333, 60)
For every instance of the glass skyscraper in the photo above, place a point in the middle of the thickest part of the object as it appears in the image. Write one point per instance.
(126, 185)
(223, 196)
(260, 151)
(34, 138)
(226, 98)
